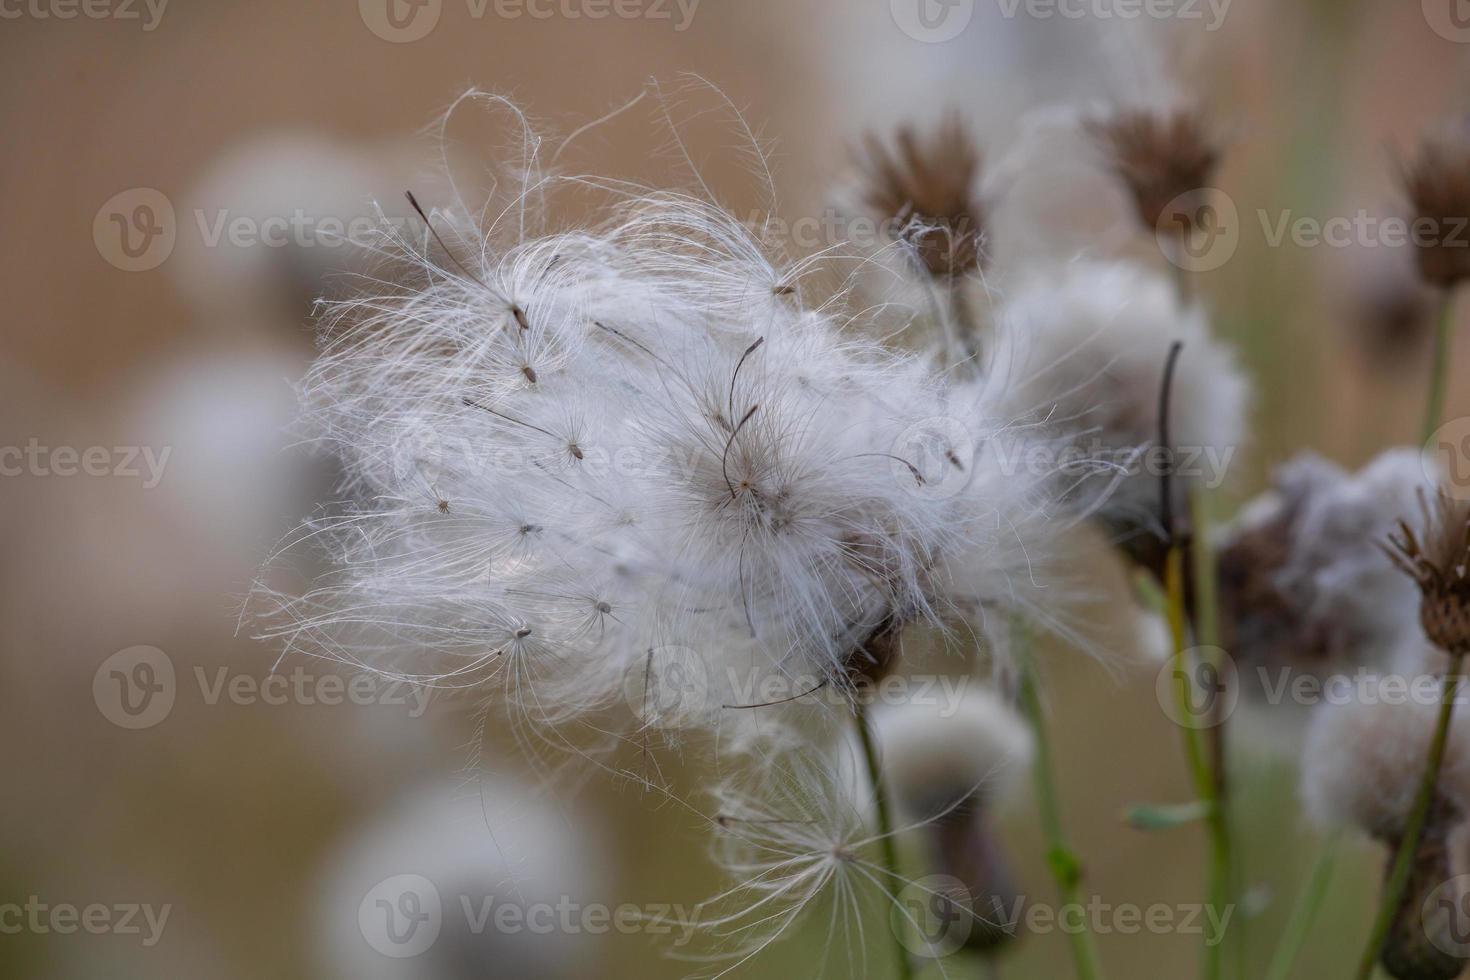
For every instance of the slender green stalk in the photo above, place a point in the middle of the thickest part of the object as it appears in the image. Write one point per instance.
(885, 829)
(1403, 865)
(1439, 369)
(1304, 913)
(1207, 634)
(1205, 783)
(1060, 857)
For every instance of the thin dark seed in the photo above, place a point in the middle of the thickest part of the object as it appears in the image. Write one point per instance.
(740, 364)
(447, 250)
(767, 704)
(725, 458)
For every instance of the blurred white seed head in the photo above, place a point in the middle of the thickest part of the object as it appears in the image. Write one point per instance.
(1364, 759)
(607, 452)
(1085, 352)
(977, 750)
(1305, 582)
(402, 894)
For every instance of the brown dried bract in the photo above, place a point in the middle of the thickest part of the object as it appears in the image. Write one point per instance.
(1165, 158)
(1437, 558)
(1438, 185)
(926, 188)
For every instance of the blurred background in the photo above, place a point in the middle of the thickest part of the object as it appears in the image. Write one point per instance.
(175, 172)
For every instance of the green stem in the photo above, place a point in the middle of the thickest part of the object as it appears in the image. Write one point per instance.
(1304, 913)
(1063, 862)
(1403, 865)
(1207, 633)
(885, 828)
(1439, 368)
(1205, 782)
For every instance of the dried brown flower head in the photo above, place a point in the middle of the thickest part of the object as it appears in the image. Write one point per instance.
(926, 187)
(1165, 157)
(1437, 558)
(1438, 185)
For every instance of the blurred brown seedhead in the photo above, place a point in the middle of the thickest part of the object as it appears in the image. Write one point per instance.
(1389, 312)
(1437, 558)
(1165, 157)
(1438, 185)
(926, 187)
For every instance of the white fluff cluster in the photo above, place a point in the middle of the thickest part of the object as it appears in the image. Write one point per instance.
(1305, 581)
(598, 462)
(935, 755)
(1364, 759)
(413, 891)
(1086, 348)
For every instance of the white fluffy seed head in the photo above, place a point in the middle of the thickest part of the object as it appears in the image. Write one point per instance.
(1087, 347)
(576, 456)
(1305, 582)
(1364, 758)
(977, 749)
(447, 851)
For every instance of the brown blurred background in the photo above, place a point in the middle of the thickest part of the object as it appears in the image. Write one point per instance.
(235, 813)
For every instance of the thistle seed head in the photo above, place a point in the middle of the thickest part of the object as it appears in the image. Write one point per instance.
(1437, 182)
(1160, 156)
(1437, 557)
(926, 187)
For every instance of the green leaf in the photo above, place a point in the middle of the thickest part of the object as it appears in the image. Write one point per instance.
(1166, 816)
